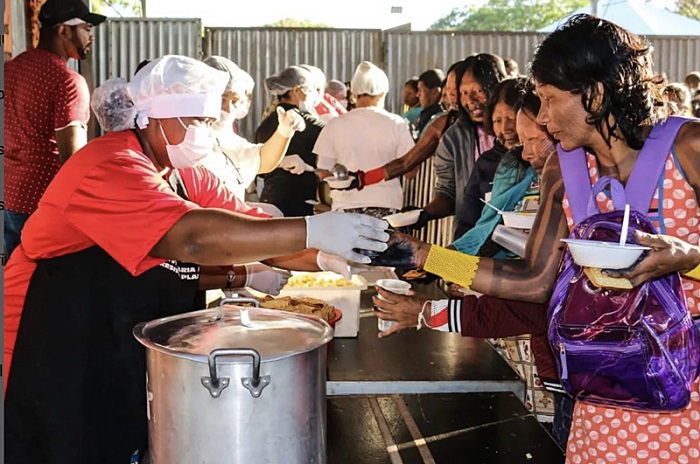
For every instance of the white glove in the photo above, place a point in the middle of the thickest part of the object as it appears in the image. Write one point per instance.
(333, 263)
(265, 278)
(293, 164)
(338, 233)
(289, 122)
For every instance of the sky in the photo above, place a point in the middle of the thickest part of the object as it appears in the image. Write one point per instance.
(358, 14)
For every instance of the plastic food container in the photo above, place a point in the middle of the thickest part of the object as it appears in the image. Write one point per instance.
(603, 255)
(335, 183)
(346, 298)
(403, 219)
(518, 220)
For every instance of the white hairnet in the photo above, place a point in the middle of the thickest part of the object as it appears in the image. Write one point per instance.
(112, 106)
(369, 80)
(239, 81)
(318, 77)
(281, 83)
(177, 86)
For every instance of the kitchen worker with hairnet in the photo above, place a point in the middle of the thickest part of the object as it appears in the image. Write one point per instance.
(115, 111)
(89, 268)
(365, 137)
(293, 183)
(239, 161)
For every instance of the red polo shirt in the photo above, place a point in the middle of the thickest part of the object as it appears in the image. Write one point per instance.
(107, 194)
(42, 95)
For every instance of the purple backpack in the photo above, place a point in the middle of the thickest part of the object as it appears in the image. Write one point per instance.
(635, 348)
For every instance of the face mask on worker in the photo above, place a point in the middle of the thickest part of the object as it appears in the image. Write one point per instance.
(240, 108)
(307, 105)
(199, 142)
(226, 120)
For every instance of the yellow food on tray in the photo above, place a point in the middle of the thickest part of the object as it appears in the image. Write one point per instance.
(306, 280)
(301, 305)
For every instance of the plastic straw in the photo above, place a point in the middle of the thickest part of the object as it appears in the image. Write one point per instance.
(491, 206)
(625, 226)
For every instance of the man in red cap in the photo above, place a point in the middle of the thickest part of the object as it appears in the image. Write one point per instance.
(47, 109)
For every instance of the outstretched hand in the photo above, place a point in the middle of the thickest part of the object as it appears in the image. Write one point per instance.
(402, 309)
(358, 183)
(404, 251)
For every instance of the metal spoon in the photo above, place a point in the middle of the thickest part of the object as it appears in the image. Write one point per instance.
(339, 171)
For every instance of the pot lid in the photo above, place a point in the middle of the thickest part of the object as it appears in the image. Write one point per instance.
(274, 334)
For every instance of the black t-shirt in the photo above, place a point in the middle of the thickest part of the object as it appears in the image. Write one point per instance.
(283, 189)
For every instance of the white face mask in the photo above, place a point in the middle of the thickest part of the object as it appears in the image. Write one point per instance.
(343, 103)
(225, 120)
(312, 99)
(198, 143)
(241, 108)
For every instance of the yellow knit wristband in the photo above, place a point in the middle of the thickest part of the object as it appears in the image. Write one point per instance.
(693, 273)
(452, 265)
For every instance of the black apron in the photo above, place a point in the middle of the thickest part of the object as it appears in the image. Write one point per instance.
(76, 393)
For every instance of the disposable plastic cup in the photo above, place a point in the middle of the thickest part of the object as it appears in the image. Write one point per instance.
(395, 286)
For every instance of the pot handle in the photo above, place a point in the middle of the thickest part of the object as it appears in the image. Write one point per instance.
(244, 312)
(254, 384)
(253, 301)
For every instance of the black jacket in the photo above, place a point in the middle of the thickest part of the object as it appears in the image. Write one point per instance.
(480, 183)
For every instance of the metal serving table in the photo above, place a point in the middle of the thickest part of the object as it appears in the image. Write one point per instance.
(415, 362)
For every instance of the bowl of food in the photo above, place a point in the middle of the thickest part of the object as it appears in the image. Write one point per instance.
(335, 183)
(403, 219)
(518, 220)
(604, 255)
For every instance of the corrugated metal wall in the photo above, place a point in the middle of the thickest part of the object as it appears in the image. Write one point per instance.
(676, 56)
(121, 44)
(264, 52)
(410, 53)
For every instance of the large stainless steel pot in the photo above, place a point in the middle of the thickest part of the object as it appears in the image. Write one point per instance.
(246, 387)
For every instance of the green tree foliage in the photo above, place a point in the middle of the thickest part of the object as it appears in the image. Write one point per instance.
(689, 8)
(292, 22)
(119, 7)
(508, 15)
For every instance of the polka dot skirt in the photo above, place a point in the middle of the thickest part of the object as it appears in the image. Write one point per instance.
(607, 435)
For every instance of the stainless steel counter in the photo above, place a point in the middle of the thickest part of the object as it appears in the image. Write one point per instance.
(415, 362)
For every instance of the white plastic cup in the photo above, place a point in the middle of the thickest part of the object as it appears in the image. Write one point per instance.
(395, 286)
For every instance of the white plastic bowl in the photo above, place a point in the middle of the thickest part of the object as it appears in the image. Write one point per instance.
(339, 184)
(603, 255)
(403, 219)
(518, 220)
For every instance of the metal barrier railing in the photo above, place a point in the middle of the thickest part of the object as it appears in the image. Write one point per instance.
(418, 192)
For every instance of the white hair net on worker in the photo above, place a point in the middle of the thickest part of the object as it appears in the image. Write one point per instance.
(239, 81)
(318, 77)
(177, 86)
(369, 80)
(113, 106)
(281, 83)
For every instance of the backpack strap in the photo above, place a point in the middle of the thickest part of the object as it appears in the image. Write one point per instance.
(645, 175)
(617, 194)
(577, 181)
(639, 190)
